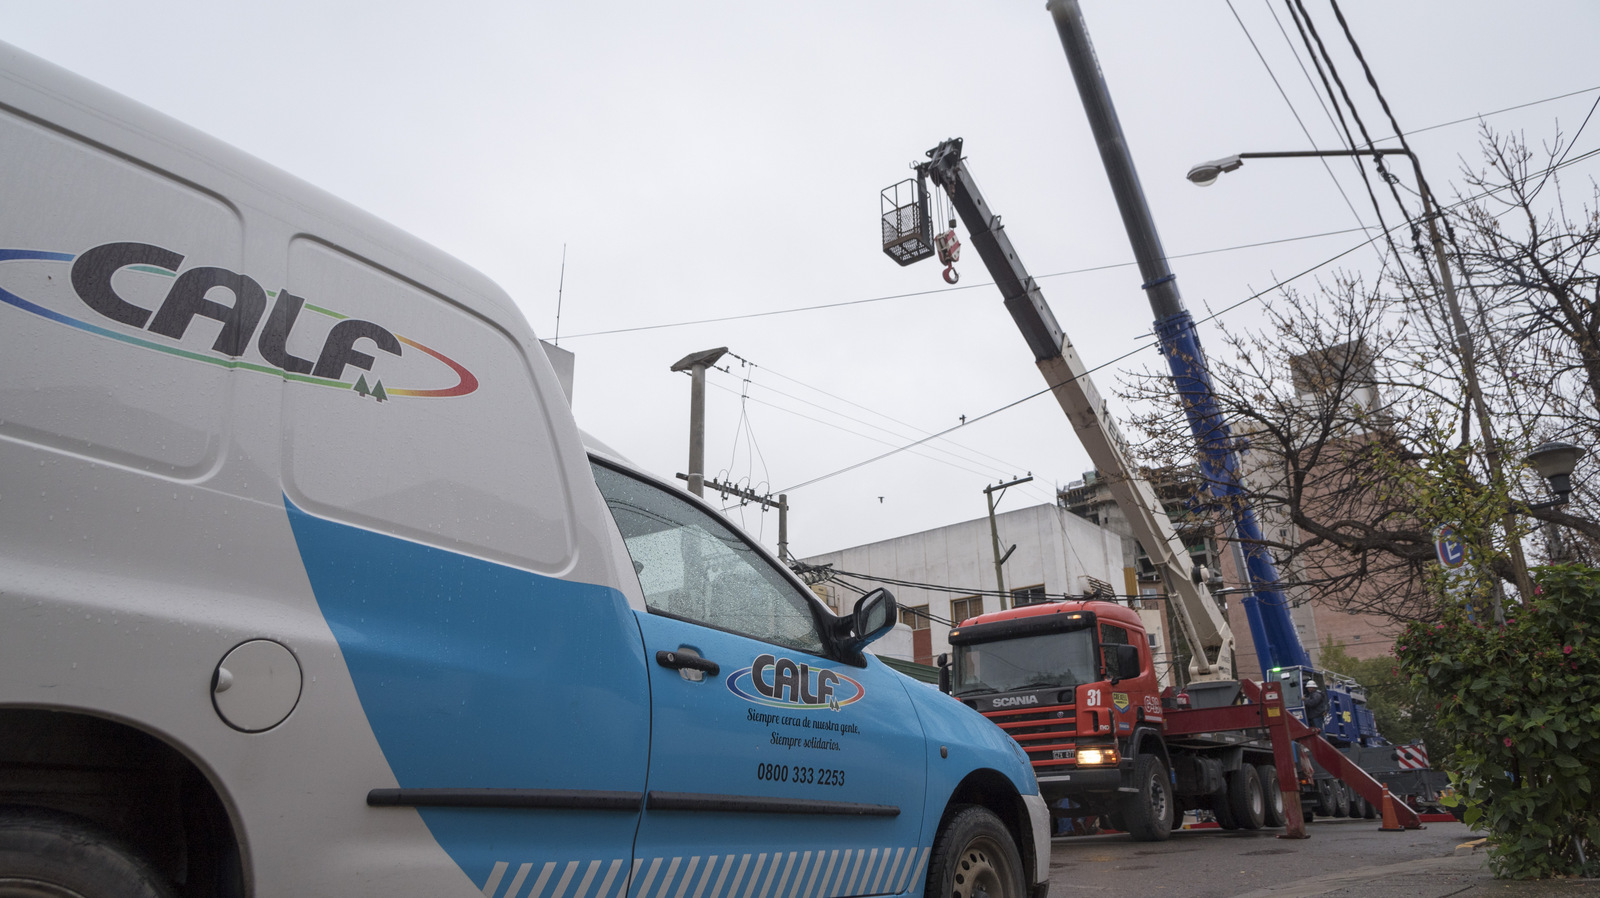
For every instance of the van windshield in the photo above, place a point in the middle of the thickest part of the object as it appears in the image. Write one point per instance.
(1050, 659)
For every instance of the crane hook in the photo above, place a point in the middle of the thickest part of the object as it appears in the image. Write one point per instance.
(949, 247)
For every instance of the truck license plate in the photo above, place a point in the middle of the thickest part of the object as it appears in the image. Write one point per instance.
(1064, 754)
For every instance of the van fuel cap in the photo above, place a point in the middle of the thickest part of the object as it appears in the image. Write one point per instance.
(256, 685)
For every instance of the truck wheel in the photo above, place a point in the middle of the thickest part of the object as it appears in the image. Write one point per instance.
(1148, 812)
(49, 854)
(1341, 800)
(1306, 814)
(974, 857)
(1273, 794)
(1249, 806)
(1219, 807)
(1368, 810)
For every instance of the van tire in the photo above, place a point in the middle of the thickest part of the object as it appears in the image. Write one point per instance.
(1273, 794)
(1245, 798)
(47, 853)
(975, 857)
(1148, 812)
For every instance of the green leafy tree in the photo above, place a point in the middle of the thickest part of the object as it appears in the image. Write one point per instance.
(1520, 704)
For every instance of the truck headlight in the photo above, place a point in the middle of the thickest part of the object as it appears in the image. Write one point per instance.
(1097, 756)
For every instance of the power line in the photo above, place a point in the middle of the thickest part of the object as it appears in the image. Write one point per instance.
(1004, 463)
(1211, 317)
(1311, 141)
(1303, 22)
(957, 590)
(1005, 469)
(1570, 144)
(1114, 265)
(1483, 115)
(899, 448)
(941, 290)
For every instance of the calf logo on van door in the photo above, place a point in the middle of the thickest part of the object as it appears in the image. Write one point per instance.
(255, 324)
(783, 683)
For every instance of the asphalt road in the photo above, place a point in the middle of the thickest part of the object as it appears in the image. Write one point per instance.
(1344, 857)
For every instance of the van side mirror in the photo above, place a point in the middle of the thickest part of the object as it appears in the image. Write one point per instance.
(874, 616)
(943, 661)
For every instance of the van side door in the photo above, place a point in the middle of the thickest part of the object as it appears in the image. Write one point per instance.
(776, 770)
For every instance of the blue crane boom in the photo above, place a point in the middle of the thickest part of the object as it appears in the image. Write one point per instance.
(1267, 609)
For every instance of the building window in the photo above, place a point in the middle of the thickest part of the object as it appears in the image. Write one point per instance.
(963, 609)
(1027, 595)
(915, 617)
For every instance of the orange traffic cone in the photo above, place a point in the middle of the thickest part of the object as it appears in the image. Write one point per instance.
(1391, 824)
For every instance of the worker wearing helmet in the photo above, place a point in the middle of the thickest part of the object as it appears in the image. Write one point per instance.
(1316, 703)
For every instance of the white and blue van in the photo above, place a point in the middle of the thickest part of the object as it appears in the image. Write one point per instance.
(309, 585)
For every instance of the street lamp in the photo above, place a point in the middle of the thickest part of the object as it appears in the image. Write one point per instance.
(1206, 173)
(1555, 461)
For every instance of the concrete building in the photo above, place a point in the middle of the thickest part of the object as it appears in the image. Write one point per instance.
(1058, 554)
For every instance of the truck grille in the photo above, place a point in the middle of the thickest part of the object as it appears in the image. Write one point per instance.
(1043, 732)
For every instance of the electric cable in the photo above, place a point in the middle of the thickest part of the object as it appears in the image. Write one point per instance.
(1114, 265)
(939, 290)
(1303, 22)
(899, 448)
(1570, 144)
(989, 592)
(1000, 472)
(1214, 315)
(1311, 141)
(1002, 462)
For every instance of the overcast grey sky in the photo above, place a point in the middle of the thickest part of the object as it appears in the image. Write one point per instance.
(714, 159)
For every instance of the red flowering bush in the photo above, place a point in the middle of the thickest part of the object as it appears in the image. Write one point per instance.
(1520, 706)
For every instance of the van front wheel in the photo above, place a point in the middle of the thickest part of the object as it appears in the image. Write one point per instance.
(44, 854)
(975, 857)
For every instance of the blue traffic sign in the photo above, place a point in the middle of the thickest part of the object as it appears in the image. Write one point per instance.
(1451, 550)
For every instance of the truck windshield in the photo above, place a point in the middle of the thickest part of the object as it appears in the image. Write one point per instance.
(1051, 659)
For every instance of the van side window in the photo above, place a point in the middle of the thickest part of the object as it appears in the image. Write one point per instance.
(693, 567)
(1111, 635)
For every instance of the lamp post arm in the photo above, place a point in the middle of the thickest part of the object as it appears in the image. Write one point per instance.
(1493, 455)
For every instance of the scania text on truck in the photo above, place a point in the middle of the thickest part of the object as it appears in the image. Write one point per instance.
(310, 586)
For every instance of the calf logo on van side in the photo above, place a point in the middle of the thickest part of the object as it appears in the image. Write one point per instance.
(783, 683)
(255, 324)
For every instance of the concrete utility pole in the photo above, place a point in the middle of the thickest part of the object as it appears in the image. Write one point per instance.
(1207, 172)
(994, 535)
(696, 364)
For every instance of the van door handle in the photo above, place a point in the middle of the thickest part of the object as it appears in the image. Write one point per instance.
(680, 661)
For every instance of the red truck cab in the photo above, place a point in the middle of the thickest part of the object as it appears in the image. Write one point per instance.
(1073, 683)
